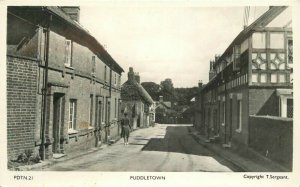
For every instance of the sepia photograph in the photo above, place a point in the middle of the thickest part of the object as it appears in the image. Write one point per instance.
(149, 88)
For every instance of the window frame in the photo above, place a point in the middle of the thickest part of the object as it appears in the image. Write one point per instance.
(68, 53)
(72, 114)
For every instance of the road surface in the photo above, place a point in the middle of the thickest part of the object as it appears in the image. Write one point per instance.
(167, 148)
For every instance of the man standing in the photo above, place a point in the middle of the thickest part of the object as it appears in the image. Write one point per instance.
(125, 124)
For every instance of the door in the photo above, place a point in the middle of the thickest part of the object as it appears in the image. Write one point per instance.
(107, 120)
(98, 120)
(58, 116)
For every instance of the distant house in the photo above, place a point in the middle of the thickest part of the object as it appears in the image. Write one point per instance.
(136, 102)
(63, 88)
(164, 112)
(248, 101)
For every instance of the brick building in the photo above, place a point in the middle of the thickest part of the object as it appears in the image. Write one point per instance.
(253, 77)
(63, 88)
(136, 102)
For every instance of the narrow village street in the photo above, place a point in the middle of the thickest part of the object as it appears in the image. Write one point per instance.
(160, 148)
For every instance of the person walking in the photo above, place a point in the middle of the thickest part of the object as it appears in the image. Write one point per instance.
(126, 127)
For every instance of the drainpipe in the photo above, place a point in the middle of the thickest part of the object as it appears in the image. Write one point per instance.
(225, 113)
(45, 88)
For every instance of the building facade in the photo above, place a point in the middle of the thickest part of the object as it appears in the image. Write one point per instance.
(63, 88)
(136, 102)
(253, 77)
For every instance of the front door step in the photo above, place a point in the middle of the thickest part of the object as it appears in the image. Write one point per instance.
(58, 155)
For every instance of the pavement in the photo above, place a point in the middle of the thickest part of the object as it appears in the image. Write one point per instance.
(247, 160)
(160, 148)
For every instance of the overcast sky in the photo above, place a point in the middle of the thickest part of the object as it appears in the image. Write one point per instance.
(165, 42)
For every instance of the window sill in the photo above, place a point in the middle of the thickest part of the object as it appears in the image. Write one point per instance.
(90, 127)
(69, 67)
(222, 124)
(72, 131)
(238, 130)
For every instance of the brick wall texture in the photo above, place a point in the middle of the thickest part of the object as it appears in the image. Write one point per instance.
(21, 104)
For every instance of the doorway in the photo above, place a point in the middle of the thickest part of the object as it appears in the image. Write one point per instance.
(58, 119)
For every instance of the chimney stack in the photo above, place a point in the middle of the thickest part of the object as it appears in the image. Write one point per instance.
(161, 98)
(137, 77)
(200, 84)
(72, 11)
(131, 74)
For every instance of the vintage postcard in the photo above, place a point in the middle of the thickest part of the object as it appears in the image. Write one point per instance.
(107, 93)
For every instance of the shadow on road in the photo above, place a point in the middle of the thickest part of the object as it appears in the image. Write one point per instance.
(179, 140)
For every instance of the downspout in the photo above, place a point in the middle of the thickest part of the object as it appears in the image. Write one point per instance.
(45, 88)
(225, 113)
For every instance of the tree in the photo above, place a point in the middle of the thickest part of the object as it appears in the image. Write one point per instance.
(167, 89)
(152, 88)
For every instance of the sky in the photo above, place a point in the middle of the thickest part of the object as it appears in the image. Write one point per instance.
(162, 42)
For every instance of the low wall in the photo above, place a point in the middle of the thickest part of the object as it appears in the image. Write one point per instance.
(273, 138)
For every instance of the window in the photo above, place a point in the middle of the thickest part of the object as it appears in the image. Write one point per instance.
(68, 53)
(105, 69)
(236, 57)
(276, 40)
(72, 114)
(119, 81)
(282, 78)
(289, 108)
(263, 78)
(273, 78)
(254, 77)
(93, 64)
(115, 79)
(91, 109)
(286, 105)
(259, 40)
(290, 51)
(224, 112)
(116, 107)
(239, 116)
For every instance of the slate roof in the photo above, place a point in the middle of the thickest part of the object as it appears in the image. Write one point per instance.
(36, 15)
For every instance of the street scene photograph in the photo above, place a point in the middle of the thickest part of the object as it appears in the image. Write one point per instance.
(140, 88)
